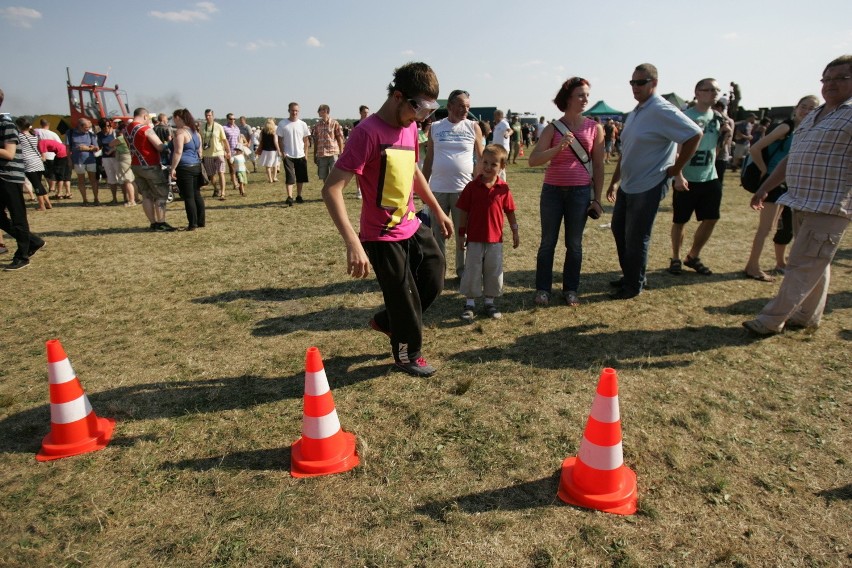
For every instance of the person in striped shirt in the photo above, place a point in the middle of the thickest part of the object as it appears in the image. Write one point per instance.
(12, 197)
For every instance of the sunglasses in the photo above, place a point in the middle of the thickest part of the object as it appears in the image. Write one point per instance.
(639, 82)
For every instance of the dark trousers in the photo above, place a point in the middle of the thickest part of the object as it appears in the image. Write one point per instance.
(632, 221)
(189, 184)
(15, 223)
(411, 275)
(561, 205)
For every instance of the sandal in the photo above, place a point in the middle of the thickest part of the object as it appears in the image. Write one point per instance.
(676, 266)
(695, 264)
(762, 277)
(542, 298)
(571, 298)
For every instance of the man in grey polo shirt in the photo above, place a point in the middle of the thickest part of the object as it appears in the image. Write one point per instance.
(649, 157)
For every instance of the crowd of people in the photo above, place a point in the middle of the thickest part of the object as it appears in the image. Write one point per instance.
(463, 188)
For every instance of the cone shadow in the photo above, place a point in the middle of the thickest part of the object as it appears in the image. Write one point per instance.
(526, 495)
(273, 459)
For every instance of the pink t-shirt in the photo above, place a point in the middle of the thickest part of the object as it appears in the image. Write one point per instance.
(565, 168)
(384, 158)
(47, 145)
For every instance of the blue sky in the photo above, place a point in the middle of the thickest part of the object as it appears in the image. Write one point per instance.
(254, 57)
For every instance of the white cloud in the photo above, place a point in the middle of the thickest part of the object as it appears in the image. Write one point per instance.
(20, 16)
(254, 45)
(313, 42)
(531, 63)
(407, 52)
(201, 14)
(731, 36)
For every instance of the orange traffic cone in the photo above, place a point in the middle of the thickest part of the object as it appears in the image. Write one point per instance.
(323, 448)
(74, 427)
(597, 478)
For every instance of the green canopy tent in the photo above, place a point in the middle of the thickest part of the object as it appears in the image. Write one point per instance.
(603, 110)
(674, 99)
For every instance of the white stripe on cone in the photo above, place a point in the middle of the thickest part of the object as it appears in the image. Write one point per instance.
(71, 411)
(60, 372)
(316, 383)
(604, 458)
(605, 409)
(319, 427)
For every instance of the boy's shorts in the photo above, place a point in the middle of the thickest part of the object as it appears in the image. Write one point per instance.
(242, 177)
(61, 170)
(483, 270)
(704, 198)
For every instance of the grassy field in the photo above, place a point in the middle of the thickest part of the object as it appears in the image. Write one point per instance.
(195, 344)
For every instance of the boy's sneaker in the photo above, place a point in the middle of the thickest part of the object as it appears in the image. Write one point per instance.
(492, 311)
(542, 298)
(17, 264)
(299, 199)
(467, 313)
(289, 201)
(35, 249)
(418, 368)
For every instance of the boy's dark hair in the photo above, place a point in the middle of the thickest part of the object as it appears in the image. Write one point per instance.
(413, 79)
(363, 108)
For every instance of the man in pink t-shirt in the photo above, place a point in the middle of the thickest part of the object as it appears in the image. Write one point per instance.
(409, 266)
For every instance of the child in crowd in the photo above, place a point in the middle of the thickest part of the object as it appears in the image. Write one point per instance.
(239, 162)
(483, 203)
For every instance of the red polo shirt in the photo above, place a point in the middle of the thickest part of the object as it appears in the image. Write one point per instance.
(485, 208)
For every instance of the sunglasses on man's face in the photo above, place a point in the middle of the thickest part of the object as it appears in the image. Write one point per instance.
(639, 82)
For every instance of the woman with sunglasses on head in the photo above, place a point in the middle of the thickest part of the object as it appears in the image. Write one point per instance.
(573, 148)
(777, 144)
(185, 168)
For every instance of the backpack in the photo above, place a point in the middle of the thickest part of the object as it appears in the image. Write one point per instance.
(750, 177)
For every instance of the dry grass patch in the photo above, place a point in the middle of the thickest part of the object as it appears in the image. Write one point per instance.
(195, 342)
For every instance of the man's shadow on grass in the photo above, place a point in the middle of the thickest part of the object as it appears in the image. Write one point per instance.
(584, 346)
(96, 232)
(752, 306)
(23, 432)
(352, 286)
(525, 495)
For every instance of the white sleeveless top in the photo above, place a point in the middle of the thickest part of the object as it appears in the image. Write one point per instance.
(452, 166)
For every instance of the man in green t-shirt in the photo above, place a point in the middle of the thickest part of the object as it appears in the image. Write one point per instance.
(702, 194)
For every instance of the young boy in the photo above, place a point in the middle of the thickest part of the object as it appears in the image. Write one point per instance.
(239, 162)
(482, 203)
(409, 266)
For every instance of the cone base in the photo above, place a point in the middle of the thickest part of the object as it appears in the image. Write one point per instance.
(50, 451)
(346, 460)
(621, 502)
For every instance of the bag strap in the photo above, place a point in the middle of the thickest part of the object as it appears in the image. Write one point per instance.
(576, 147)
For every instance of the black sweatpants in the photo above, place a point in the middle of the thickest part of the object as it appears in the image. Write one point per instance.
(411, 275)
(12, 200)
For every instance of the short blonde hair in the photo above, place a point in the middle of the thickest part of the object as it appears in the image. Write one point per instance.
(498, 151)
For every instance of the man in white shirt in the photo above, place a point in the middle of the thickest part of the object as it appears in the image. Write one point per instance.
(294, 136)
(454, 143)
